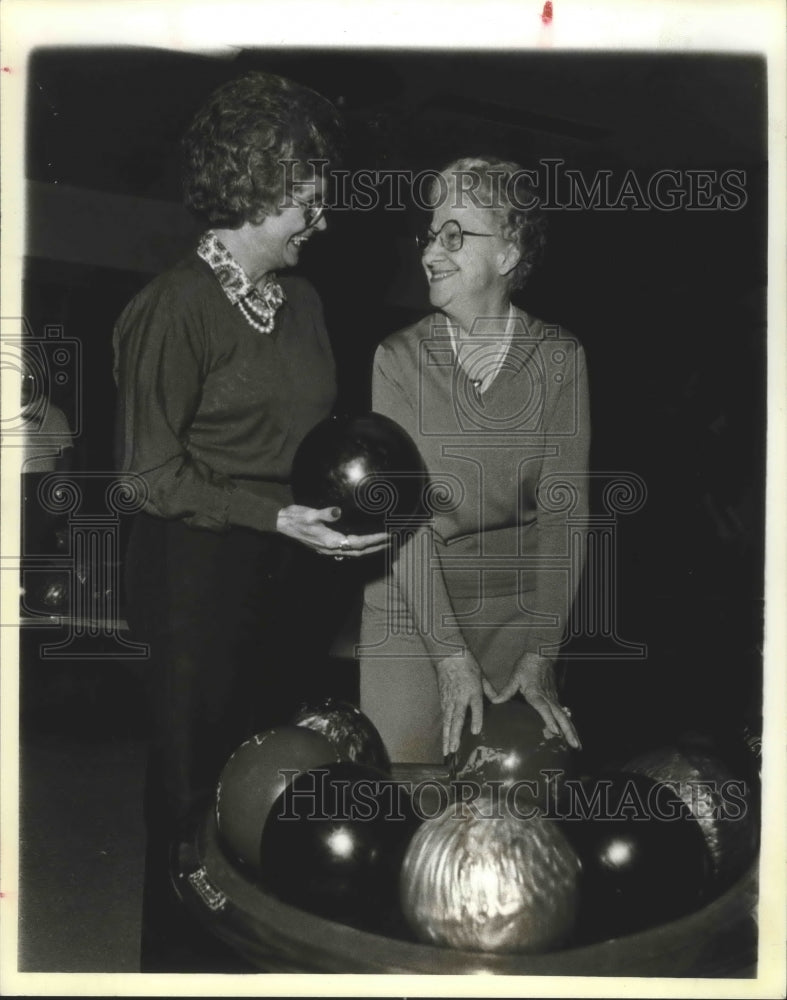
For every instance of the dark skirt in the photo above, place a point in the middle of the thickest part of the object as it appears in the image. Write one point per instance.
(238, 625)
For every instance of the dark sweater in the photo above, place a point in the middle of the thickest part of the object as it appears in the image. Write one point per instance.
(211, 411)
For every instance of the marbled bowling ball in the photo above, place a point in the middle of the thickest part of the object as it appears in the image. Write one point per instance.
(255, 776)
(723, 801)
(513, 748)
(352, 733)
(334, 842)
(476, 879)
(366, 465)
(643, 856)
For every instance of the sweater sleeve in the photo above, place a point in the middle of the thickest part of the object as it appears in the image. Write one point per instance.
(417, 569)
(161, 356)
(567, 439)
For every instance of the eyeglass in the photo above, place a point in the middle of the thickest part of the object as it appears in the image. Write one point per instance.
(312, 211)
(450, 234)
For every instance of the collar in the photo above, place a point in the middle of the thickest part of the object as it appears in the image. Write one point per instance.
(482, 358)
(258, 305)
(234, 281)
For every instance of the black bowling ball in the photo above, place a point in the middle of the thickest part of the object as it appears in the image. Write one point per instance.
(514, 748)
(366, 465)
(334, 842)
(643, 855)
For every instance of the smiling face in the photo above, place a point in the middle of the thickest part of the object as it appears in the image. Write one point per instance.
(475, 278)
(279, 238)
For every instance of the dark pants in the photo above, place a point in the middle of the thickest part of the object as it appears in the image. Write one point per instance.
(238, 625)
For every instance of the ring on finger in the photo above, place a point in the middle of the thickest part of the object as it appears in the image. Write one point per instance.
(344, 545)
(566, 710)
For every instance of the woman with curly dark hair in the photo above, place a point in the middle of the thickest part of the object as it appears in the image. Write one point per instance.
(222, 368)
(476, 602)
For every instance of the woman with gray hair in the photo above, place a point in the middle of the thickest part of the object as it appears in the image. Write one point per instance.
(477, 599)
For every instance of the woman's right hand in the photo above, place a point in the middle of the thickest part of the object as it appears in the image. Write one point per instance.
(311, 527)
(462, 685)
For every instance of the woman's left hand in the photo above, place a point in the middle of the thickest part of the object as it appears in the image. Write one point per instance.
(312, 527)
(534, 676)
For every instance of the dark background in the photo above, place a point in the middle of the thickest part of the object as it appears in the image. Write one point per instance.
(670, 307)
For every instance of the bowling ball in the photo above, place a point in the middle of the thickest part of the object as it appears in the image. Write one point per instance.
(253, 779)
(54, 595)
(513, 747)
(366, 465)
(48, 593)
(722, 802)
(490, 882)
(352, 733)
(643, 856)
(334, 841)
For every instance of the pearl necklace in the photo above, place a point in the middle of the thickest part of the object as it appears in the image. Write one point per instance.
(263, 321)
(260, 306)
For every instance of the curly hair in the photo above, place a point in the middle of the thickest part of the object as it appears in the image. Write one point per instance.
(247, 145)
(507, 189)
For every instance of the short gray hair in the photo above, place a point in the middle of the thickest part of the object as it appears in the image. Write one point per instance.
(507, 189)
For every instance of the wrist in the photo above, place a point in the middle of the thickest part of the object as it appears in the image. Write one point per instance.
(284, 522)
(463, 658)
(537, 660)
(247, 510)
